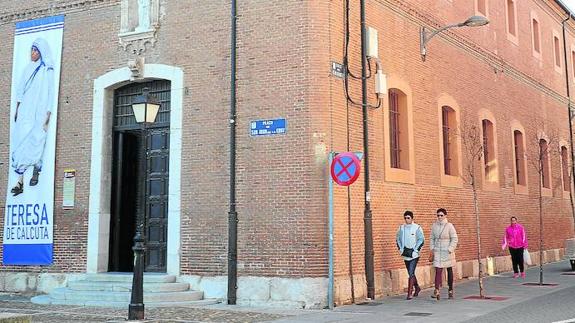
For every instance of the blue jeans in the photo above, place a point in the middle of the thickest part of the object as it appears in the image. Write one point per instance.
(410, 266)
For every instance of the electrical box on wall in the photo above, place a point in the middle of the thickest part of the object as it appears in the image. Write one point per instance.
(380, 83)
(372, 43)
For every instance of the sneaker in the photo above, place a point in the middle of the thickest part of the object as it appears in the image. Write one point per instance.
(515, 275)
(523, 275)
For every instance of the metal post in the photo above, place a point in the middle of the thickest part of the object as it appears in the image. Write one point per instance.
(367, 218)
(136, 307)
(330, 242)
(232, 213)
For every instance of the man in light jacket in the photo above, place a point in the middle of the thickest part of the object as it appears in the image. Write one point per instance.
(409, 239)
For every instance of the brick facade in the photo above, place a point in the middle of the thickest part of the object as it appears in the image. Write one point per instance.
(285, 50)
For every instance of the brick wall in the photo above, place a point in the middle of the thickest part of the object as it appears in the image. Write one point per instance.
(463, 66)
(285, 49)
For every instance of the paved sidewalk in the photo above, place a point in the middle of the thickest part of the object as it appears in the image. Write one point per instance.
(526, 302)
(523, 304)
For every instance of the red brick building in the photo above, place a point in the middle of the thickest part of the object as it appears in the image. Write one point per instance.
(508, 78)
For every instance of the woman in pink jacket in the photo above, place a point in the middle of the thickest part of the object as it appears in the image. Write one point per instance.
(516, 240)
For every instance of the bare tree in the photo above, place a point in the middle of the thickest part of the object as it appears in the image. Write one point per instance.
(542, 145)
(472, 143)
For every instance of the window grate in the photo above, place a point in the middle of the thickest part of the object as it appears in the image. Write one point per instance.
(123, 97)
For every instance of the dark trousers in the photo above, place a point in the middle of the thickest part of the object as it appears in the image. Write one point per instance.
(410, 265)
(517, 259)
(439, 277)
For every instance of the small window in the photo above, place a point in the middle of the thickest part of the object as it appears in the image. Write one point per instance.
(450, 158)
(573, 62)
(489, 158)
(536, 40)
(565, 169)
(544, 155)
(557, 51)
(482, 7)
(519, 158)
(398, 130)
(511, 24)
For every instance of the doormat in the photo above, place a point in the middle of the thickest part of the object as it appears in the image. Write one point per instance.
(421, 314)
(540, 285)
(486, 298)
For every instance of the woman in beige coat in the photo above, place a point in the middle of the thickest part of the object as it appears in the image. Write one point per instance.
(443, 242)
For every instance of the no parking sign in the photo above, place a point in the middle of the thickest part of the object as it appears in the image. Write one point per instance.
(345, 168)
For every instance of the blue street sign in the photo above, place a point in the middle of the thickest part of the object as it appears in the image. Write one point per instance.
(268, 127)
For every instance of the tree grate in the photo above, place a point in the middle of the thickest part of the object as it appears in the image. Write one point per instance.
(418, 314)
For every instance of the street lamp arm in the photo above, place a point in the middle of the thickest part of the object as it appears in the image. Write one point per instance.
(426, 36)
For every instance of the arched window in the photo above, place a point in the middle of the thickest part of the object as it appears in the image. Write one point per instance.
(545, 165)
(565, 169)
(511, 11)
(398, 130)
(557, 51)
(481, 7)
(489, 157)
(519, 154)
(535, 34)
(399, 152)
(450, 149)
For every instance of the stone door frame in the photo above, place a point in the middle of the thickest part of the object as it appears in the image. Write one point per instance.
(101, 166)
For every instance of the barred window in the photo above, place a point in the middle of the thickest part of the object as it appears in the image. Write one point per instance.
(398, 129)
(449, 125)
(519, 158)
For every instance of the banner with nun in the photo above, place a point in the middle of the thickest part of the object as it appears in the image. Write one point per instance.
(29, 212)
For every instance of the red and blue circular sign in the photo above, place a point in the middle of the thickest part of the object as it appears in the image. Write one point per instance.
(345, 168)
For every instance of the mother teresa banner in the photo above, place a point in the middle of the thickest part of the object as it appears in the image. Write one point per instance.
(28, 221)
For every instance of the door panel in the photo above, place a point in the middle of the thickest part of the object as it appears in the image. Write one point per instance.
(157, 199)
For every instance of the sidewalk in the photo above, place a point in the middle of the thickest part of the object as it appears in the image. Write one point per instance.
(391, 309)
(426, 309)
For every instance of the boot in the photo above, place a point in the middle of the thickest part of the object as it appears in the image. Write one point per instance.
(409, 288)
(417, 289)
(436, 294)
(450, 294)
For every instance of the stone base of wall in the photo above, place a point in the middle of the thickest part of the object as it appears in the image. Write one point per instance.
(252, 291)
(266, 291)
(291, 292)
(22, 282)
(394, 282)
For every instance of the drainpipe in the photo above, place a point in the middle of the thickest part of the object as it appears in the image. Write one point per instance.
(367, 219)
(570, 113)
(233, 214)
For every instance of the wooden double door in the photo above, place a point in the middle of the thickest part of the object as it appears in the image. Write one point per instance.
(129, 174)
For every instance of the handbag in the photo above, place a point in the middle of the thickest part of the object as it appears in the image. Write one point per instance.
(407, 252)
(527, 257)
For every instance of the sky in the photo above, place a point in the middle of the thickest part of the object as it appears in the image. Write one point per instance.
(570, 4)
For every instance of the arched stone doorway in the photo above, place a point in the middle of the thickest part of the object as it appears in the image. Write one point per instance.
(101, 169)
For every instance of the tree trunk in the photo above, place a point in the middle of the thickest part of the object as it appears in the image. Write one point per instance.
(476, 208)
